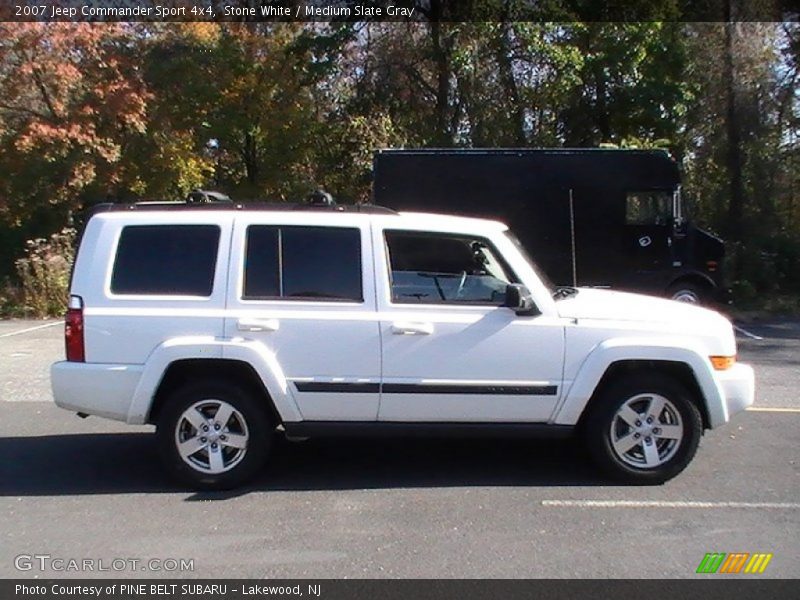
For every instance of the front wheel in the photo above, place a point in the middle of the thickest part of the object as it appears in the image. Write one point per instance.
(688, 292)
(213, 435)
(644, 430)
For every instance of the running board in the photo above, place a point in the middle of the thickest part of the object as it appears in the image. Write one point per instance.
(310, 429)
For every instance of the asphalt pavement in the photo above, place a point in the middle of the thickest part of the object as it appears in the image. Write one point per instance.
(93, 490)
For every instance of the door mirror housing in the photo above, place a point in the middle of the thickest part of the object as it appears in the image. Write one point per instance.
(519, 299)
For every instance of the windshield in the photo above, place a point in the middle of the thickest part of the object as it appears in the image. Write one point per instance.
(541, 274)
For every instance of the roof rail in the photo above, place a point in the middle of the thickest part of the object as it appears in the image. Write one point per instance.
(318, 200)
(243, 206)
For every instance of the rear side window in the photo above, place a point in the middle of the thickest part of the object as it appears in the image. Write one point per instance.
(166, 260)
(303, 263)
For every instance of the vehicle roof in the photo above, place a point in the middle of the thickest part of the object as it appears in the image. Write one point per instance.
(311, 214)
(445, 221)
(659, 152)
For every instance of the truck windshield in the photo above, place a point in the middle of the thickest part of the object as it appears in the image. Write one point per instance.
(541, 274)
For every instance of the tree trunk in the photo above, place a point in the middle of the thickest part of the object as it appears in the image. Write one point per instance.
(503, 55)
(733, 130)
(441, 49)
(250, 157)
(442, 87)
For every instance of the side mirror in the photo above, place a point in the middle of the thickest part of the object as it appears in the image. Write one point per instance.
(519, 299)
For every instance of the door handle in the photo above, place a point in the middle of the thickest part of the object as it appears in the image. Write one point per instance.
(258, 325)
(411, 328)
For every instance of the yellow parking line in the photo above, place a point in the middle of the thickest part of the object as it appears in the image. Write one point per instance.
(771, 409)
(668, 504)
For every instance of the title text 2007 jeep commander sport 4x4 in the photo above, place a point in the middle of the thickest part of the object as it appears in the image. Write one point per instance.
(222, 323)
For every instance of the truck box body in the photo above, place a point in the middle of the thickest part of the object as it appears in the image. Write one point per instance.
(620, 208)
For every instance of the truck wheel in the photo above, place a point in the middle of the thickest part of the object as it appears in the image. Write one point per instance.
(213, 435)
(644, 430)
(686, 291)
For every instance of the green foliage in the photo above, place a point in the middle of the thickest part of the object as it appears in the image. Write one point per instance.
(44, 274)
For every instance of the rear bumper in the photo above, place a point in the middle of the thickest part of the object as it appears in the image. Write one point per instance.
(738, 388)
(105, 390)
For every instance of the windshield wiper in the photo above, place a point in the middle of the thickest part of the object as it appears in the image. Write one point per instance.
(564, 291)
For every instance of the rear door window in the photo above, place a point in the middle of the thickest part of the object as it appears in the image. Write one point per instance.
(303, 263)
(166, 260)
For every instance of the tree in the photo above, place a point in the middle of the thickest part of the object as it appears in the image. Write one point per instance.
(71, 99)
(631, 83)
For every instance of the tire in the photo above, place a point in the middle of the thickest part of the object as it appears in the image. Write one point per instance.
(214, 458)
(688, 292)
(620, 446)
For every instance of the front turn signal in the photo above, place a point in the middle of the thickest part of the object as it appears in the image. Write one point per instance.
(721, 363)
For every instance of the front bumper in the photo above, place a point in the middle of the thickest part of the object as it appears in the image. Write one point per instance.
(738, 388)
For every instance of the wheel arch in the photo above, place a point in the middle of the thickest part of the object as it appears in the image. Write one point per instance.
(679, 371)
(615, 358)
(176, 360)
(693, 277)
(188, 369)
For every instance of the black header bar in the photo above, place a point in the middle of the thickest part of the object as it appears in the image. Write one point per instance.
(732, 588)
(420, 11)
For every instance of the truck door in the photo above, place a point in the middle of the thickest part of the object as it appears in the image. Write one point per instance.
(647, 235)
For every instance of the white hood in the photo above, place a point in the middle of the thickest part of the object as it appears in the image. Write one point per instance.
(617, 314)
(591, 303)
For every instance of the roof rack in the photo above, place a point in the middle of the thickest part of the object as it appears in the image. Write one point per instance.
(244, 206)
(319, 200)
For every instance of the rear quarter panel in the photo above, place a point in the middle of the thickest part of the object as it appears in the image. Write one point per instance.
(125, 329)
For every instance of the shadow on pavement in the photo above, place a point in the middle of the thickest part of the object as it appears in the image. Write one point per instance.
(116, 463)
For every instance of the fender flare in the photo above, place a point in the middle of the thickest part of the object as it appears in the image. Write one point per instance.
(693, 275)
(605, 354)
(261, 359)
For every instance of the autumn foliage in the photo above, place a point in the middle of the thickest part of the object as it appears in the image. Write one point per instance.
(72, 97)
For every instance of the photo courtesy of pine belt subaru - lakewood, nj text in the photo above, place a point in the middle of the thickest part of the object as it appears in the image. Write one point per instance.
(225, 324)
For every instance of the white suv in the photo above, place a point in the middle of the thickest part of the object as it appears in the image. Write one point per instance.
(222, 324)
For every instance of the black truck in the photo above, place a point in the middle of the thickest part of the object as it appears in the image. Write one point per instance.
(589, 217)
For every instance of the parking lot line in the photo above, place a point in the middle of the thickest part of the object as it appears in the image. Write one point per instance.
(29, 329)
(747, 334)
(667, 504)
(773, 409)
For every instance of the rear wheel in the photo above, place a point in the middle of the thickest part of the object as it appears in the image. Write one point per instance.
(213, 435)
(644, 430)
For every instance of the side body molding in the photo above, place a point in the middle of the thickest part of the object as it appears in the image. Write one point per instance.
(641, 348)
(207, 347)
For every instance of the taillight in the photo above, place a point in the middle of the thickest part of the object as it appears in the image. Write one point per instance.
(73, 330)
